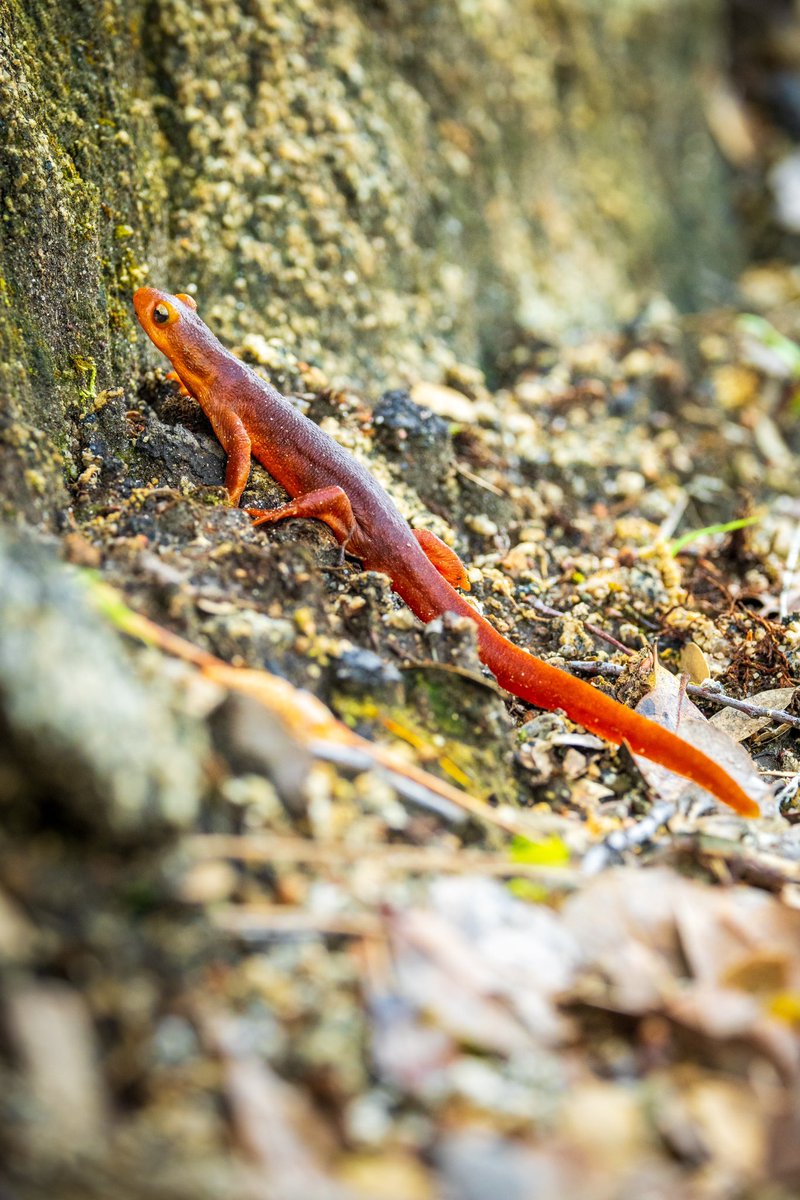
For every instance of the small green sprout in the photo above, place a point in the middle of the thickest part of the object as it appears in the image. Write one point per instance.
(708, 530)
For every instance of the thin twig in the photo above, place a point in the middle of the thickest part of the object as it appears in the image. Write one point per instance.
(479, 480)
(586, 666)
(789, 572)
(274, 848)
(307, 718)
(595, 630)
(350, 758)
(613, 671)
(613, 848)
(673, 518)
(279, 920)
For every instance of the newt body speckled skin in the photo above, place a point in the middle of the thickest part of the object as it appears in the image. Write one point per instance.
(251, 418)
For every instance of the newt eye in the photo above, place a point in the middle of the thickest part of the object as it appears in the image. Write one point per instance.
(161, 314)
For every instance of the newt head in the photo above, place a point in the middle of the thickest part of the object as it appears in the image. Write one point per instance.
(173, 325)
(158, 311)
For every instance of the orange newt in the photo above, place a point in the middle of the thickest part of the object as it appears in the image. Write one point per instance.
(251, 418)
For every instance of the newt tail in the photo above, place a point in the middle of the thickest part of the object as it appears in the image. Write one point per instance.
(326, 483)
(550, 688)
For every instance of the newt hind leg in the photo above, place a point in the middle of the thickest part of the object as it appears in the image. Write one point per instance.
(328, 504)
(445, 560)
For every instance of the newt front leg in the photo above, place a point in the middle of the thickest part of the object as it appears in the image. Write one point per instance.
(328, 504)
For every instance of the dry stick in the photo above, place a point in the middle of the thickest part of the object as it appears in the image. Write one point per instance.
(479, 480)
(613, 848)
(595, 630)
(308, 719)
(613, 671)
(276, 848)
(790, 572)
(277, 920)
(673, 518)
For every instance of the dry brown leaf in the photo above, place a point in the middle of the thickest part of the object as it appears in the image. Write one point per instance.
(485, 965)
(694, 663)
(17, 935)
(725, 1015)
(714, 1121)
(708, 958)
(668, 704)
(607, 1124)
(739, 726)
(274, 1124)
(53, 1038)
(388, 1176)
(445, 402)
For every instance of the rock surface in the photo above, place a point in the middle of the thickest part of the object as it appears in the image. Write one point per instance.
(383, 188)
